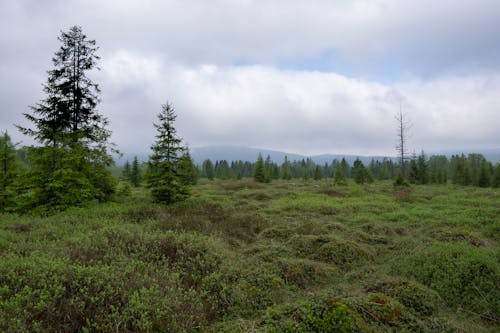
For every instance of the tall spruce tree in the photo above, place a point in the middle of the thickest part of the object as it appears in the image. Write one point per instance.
(187, 170)
(135, 175)
(8, 171)
(164, 176)
(71, 165)
(259, 173)
(339, 176)
(286, 169)
(126, 171)
(495, 181)
(208, 169)
(359, 173)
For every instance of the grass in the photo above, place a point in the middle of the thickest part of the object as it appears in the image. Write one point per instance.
(245, 257)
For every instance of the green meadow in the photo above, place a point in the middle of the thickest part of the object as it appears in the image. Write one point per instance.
(240, 256)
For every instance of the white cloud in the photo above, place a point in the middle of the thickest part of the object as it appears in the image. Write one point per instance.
(443, 60)
(302, 111)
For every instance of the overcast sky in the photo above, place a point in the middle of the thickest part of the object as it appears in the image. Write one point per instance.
(324, 76)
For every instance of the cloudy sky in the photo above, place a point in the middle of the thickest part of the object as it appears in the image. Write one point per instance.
(311, 76)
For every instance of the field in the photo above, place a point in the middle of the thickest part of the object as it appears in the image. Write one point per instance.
(239, 256)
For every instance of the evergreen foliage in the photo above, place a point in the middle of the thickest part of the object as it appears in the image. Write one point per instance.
(484, 177)
(495, 181)
(286, 169)
(360, 173)
(208, 169)
(188, 171)
(460, 170)
(338, 176)
(8, 171)
(71, 166)
(260, 175)
(400, 180)
(165, 177)
(135, 176)
(126, 171)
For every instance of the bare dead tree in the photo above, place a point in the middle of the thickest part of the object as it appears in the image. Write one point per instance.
(403, 127)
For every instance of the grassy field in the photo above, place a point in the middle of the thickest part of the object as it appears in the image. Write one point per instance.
(245, 257)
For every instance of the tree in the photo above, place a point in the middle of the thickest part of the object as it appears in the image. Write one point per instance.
(403, 127)
(495, 182)
(339, 176)
(135, 176)
(438, 169)
(484, 177)
(208, 169)
(8, 171)
(163, 177)
(71, 166)
(286, 169)
(187, 170)
(460, 173)
(126, 171)
(317, 173)
(259, 174)
(359, 173)
(345, 168)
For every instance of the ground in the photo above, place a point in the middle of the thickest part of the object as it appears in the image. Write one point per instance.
(239, 256)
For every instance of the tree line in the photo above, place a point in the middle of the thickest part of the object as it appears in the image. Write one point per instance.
(472, 169)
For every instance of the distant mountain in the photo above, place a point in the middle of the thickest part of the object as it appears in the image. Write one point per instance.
(235, 153)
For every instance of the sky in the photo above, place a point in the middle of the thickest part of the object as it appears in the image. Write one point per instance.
(302, 76)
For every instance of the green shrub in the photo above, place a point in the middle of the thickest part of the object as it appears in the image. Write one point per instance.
(464, 275)
(310, 317)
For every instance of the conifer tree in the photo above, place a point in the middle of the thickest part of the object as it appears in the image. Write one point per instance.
(259, 174)
(163, 177)
(495, 182)
(8, 171)
(286, 169)
(345, 168)
(317, 173)
(126, 171)
(338, 176)
(422, 169)
(208, 169)
(359, 173)
(135, 173)
(187, 169)
(71, 165)
(413, 170)
(484, 177)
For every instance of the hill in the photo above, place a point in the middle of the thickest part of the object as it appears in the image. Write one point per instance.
(235, 153)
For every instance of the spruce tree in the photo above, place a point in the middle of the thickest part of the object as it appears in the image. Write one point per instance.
(317, 173)
(484, 177)
(8, 171)
(338, 176)
(208, 169)
(360, 173)
(72, 164)
(126, 171)
(495, 181)
(286, 169)
(413, 170)
(164, 177)
(259, 174)
(187, 170)
(135, 173)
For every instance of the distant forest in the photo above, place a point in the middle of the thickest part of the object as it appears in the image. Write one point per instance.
(472, 169)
